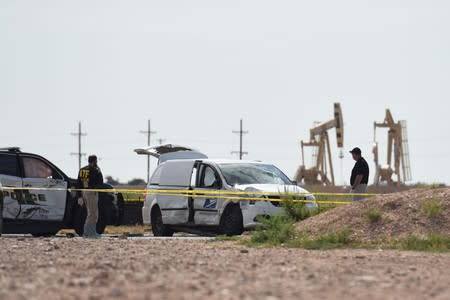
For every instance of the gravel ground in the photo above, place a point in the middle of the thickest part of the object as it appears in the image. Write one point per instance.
(139, 268)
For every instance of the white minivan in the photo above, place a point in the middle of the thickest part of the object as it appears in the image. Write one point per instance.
(210, 208)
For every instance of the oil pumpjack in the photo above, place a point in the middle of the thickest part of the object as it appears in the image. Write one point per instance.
(321, 171)
(398, 163)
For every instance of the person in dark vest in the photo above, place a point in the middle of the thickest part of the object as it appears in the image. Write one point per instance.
(360, 175)
(90, 177)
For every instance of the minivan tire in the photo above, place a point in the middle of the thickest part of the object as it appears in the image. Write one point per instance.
(232, 221)
(158, 227)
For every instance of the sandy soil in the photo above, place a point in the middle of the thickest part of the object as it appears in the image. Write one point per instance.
(114, 268)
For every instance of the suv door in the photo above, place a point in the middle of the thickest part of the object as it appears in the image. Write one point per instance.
(10, 178)
(205, 207)
(48, 200)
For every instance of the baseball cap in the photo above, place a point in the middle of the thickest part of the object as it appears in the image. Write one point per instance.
(356, 151)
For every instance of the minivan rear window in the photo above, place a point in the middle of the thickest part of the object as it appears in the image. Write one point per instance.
(156, 176)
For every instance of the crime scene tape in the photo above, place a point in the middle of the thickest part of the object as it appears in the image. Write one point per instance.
(214, 194)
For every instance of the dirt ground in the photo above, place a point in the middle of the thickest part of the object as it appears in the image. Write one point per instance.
(142, 268)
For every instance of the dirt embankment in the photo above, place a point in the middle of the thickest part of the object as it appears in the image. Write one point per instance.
(373, 189)
(416, 212)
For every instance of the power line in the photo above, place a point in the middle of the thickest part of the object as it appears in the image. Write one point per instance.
(241, 133)
(149, 133)
(79, 134)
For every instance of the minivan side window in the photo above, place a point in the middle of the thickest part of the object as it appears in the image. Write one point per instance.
(208, 178)
(35, 168)
(9, 165)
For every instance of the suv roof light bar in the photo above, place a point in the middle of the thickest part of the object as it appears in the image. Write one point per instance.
(10, 149)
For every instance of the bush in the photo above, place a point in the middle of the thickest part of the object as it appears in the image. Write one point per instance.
(430, 186)
(433, 243)
(294, 210)
(327, 241)
(274, 231)
(374, 216)
(432, 207)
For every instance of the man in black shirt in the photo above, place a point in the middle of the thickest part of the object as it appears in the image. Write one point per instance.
(90, 177)
(360, 175)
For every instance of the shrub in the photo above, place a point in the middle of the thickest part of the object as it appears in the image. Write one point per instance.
(432, 243)
(430, 186)
(374, 216)
(327, 241)
(274, 231)
(296, 210)
(432, 207)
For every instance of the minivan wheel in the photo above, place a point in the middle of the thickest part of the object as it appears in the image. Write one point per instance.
(231, 222)
(158, 227)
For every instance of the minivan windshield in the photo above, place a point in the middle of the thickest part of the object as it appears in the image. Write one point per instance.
(251, 173)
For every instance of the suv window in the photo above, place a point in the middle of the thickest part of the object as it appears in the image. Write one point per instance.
(35, 168)
(9, 165)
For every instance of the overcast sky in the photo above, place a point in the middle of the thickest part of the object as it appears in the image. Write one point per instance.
(196, 67)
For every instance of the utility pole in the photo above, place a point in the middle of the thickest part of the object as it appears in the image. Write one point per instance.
(149, 133)
(80, 154)
(241, 133)
(161, 141)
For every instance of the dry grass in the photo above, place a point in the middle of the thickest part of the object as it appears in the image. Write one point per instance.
(125, 229)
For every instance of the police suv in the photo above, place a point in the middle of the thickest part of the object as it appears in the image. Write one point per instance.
(207, 182)
(36, 199)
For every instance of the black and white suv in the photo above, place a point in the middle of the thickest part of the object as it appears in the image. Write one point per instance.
(36, 199)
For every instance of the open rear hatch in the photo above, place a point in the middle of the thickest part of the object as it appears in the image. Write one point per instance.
(170, 151)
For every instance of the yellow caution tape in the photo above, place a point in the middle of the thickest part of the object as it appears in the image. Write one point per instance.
(231, 195)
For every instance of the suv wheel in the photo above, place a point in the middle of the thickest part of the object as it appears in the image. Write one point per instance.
(79, 217)
(158, 227)
(231, 222)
